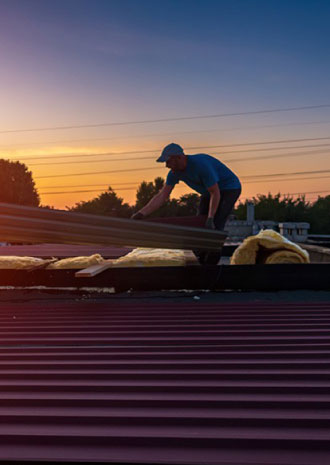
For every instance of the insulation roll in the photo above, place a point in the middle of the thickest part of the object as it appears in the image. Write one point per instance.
(268, 247)
(284, 256)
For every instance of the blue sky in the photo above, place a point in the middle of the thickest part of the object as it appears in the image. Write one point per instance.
(92, 61)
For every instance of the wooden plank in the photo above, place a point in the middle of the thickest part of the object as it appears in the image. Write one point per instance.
(93, 270)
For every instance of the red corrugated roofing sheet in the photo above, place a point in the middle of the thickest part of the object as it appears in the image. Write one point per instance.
(169, 383)
(63, 250)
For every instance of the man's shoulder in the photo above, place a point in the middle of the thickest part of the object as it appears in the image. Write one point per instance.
(197, 156)
(200, 160)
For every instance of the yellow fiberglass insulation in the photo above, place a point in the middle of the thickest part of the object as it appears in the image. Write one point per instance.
(10, 262)
(151, 257)
(268, 247)
(76, 262)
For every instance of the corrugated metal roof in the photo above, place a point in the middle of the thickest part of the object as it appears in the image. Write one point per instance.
(170, 383)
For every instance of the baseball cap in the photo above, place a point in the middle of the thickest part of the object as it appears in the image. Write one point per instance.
(169, 150)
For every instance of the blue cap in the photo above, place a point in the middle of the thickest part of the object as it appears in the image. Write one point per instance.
(169, 150)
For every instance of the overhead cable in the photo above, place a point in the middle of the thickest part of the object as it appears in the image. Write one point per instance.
(77, 155)
(162, 120)
(134, 136)
(229, 160)
(156, 168)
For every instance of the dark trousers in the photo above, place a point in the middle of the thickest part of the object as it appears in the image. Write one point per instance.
(228, 199)
(226, 205)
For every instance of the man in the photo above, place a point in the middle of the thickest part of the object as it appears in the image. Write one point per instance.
(218, 185)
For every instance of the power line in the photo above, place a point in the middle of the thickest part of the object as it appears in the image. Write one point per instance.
(310, 178)
(78, 192)
(134, 136)
(299, 193)
(91, 185)
(191, 148)
(131, 188)
(291, 193)
(134, 184)
(162, 120)
(241, 144)
(307, 193)
(233, 160)
(94, 161)
(156, 168)
(95, 172)
(284, 174)
(281, 155)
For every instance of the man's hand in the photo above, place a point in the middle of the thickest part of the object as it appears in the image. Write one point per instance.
(210, 223)
(137, 216)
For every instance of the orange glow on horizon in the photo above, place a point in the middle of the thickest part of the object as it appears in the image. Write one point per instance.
(125, 182)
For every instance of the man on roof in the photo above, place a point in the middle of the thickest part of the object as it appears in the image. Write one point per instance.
(218, 185)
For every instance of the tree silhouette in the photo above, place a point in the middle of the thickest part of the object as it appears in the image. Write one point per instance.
(276, 208)
(188, 204)
(17, 185)
(147, 190)
(107, 204)
(320, 216)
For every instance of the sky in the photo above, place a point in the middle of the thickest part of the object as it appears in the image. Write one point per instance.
(92, 90)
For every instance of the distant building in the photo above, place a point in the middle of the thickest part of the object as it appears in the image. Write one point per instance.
(238, 230)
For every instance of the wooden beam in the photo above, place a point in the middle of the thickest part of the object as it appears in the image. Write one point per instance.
(93, 270)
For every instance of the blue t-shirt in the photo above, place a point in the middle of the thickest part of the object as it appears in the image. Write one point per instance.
(202, 172)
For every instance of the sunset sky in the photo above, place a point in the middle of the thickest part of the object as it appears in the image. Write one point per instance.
(99, 77)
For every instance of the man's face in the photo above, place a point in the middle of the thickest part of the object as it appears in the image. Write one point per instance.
(176, 162)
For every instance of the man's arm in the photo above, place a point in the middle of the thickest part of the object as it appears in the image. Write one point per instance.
(157, 201)
(213, 205)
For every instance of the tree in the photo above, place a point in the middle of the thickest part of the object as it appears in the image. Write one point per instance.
(17, 185)
(320, 216)
(146, 191)
(107, 204)
(188, 204)
(276, 208)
